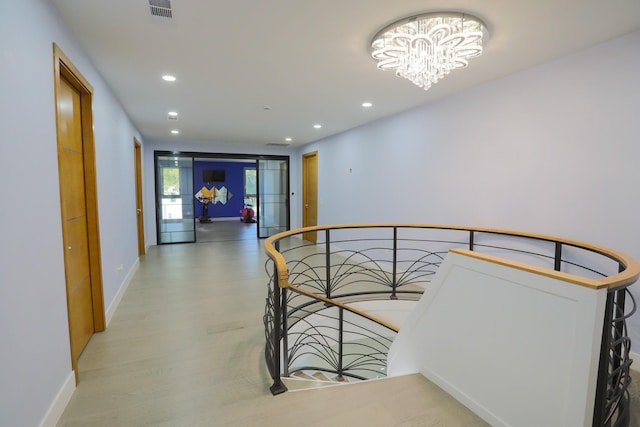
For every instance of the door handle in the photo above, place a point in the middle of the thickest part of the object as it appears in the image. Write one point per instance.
(138, 210)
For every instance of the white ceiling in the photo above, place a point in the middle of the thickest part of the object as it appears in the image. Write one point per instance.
(306, 60)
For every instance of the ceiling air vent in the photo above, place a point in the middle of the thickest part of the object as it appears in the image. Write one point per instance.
(278, 144)
(161, 8)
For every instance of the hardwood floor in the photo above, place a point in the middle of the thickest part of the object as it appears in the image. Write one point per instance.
(228, 230)
(186, 348)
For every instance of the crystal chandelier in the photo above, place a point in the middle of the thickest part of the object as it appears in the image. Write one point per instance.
(425, 48)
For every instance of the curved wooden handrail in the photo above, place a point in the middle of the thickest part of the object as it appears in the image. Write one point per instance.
(615, 281)
(346, 307)
(628, 276)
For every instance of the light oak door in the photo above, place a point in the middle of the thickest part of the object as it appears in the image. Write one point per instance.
(78, 204)
(137, 151)
(310, 193)
(74, 218)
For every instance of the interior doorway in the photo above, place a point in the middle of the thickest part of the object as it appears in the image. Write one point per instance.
(226, 207)
(208, 197)
(137, 156)
(78, 203)
(310, 193)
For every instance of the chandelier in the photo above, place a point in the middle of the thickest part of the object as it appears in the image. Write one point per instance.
(425, 48)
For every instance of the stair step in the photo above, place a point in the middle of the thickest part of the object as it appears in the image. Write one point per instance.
(313, 379)
(303, 375)
(319, 375)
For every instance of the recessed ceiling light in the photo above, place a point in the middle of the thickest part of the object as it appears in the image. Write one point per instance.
(175, 132)
(169, 78)
(288, 139)
(173, 113)
(367, 104)
(317, 126)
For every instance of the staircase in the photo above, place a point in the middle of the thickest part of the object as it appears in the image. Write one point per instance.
(307, 379)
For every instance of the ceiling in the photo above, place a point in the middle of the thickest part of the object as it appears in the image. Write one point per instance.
(259, 71)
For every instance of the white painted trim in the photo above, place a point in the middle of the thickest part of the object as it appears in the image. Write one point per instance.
(636, 361)
(60, 402)
(125, 284)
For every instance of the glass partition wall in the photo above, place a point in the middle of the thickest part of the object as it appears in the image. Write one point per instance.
(273, 197)
(266, 188)
(174, 199)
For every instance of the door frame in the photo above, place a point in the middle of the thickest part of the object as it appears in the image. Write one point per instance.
(64, 68)
(310, 236)
(137, 156)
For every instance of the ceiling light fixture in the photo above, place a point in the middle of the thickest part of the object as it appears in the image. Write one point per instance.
(367, 104)
(317, 126)
(288, 139)
(426, 47)
(168, 78)
(175, 132)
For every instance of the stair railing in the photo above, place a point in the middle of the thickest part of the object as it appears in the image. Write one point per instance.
(352, 263)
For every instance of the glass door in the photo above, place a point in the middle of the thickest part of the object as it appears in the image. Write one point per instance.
(174, 199)
(251, 189)
(273, 197)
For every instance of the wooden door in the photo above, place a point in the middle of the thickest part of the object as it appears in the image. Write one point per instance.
(137, 149)
(78, 205)
(74, 220)
(310, 193)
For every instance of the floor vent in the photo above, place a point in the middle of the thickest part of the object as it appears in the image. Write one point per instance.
(161, 8)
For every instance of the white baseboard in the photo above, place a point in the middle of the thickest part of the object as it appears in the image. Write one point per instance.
(123, 288)
(636, 361)
(60, 402)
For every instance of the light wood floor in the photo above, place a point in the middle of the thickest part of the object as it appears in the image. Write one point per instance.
(227, 230)
(186, 348)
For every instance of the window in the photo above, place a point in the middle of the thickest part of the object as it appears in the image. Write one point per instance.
(170, 181)
(250, 187)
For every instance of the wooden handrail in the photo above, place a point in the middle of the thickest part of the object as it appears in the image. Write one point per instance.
(344, 306)
(617, 280)
(629, 275)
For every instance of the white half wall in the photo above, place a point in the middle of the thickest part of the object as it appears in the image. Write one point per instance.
(517, 348)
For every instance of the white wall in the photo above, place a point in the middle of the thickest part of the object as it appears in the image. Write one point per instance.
(209, 147)
(478, 356)
(554, 149)
(34, 340)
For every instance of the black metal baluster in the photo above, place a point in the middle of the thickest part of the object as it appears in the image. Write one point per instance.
(394, 284)
(618, 324)
(340, 340)
(328, 263)
(277, 387)
(558, 257)
(599, 411)
(285, 333)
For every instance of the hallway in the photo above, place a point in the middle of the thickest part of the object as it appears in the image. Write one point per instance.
(186, 348)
